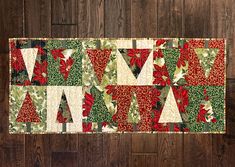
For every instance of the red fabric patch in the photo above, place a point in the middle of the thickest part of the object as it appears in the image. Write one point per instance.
(99, 59)
(28, 112)
(196, 75)
(123, 96)
(65, 65)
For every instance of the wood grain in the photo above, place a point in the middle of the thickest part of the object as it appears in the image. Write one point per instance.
(144, 18)
(62, 159)
(91, 150)
(222, 26)
(37, 16)
(91, 18)
(221, 20)
(170, 148)
(197, 18)
(64, 31)
(170, 18)
(144, 143)
(11, 146)
(37, 149)
(11, 22)
(64, 11)
(117, 18)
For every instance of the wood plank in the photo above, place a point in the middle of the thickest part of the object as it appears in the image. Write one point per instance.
(144, 143)
(169, 18)
(197, 150)
(144, 160)
(64, 11)
(138, 160)
(62, 159)
(230, 106)
(11, 22)
(117, 149)
(125, 149)
(222, 16)
(222, 26)
(11, 146)
(144, 18)
(63, 142)
(196, 21)
(37, 18)
(151, 160)
(91, 18)
(170, 148)
(64, 31)
(117, 18)
(12, 153)
(37, 150)
(111, 144)
(223, 151)
(223, 145)
(90, 150)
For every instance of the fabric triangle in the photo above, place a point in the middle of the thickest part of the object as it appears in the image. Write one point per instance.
(64, 114)
(206, 58)
(65, 59)
(124, 74)
(99, 59)
(27, 111)
(135, 59)
(29, 55)
(99, 112)
(67, 53)
(133, 114)
(171, 57)
(205, 113)
(170, 112)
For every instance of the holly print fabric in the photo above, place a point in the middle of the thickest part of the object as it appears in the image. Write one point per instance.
(117, 85)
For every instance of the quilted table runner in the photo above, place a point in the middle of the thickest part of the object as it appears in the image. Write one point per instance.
(117, 85)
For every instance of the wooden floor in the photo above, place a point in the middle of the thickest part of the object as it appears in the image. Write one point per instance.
(117, 18)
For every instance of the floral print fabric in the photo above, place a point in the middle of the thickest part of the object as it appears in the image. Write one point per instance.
(86, 75)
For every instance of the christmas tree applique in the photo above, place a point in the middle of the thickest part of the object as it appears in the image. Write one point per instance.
(99, 112)
(64, 115)
(99, 59)
(133, 114)
(28, 113)
(170, 112)
(206, 58)
(206, 113)
(66, 61)
(171, 57)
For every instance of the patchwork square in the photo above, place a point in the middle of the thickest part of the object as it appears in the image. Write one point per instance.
(101, 85)
(28, 109)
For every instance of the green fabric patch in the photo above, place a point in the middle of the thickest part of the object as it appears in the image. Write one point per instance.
(206, 58)
(54, 75)
(215, 93)
(171, 57)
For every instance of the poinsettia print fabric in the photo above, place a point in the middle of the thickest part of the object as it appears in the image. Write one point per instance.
(171, 85)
